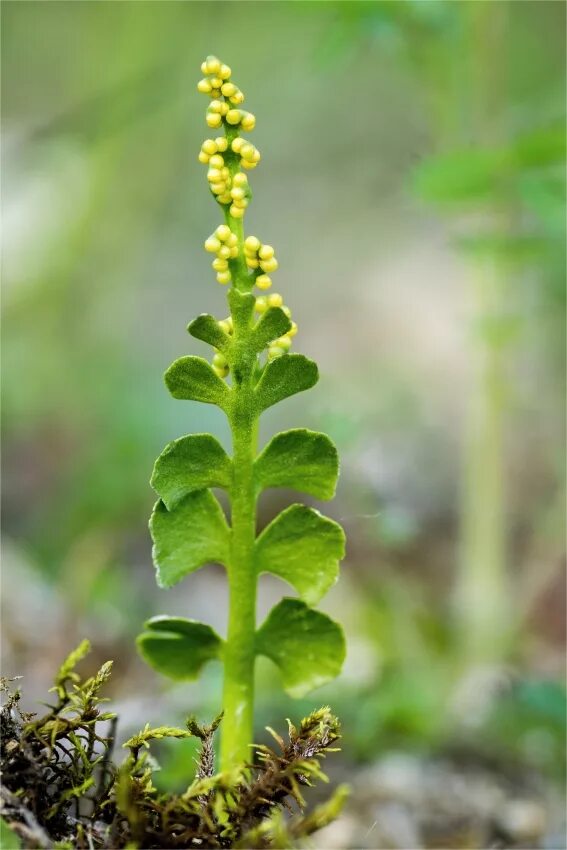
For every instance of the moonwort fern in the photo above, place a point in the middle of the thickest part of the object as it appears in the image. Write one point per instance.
(251, 370)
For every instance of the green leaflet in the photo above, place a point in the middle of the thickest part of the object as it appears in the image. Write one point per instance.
(192, 378)
(283, 377)
(303, 548)
(300, 459)
(190, 463)
(270, 326)
(474, 175)
(177, 647)
(206, 328)
(466, 176)
(307, 646)
(192, 534)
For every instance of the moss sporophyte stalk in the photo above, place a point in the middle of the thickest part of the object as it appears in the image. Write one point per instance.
(252, 369)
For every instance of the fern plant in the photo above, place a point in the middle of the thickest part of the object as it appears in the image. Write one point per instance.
(251, 370)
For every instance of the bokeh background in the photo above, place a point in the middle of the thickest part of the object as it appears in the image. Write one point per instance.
(413, 184)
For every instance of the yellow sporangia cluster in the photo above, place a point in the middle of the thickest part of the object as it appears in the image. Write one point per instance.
(248, 153)
(261, 257)
(229, 188)
(225, 156)
(239, 195)
(218, 174)
(224, 243)
(217, 84)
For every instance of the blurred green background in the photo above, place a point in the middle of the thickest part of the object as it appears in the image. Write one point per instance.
(413, 184)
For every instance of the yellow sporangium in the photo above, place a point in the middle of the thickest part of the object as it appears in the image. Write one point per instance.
(214, 119)
(212, 244)
(248, 121)
(220, 365)
(226, 325)
(261, 304)
(269, 265)
(234, 116)
(204, 86)
(263, 281)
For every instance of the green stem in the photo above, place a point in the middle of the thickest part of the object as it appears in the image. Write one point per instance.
(485, 610)
(239, 655)
(483, 589)
(240, 652)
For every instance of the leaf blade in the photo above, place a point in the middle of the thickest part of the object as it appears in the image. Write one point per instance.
(307, 645)
(194, 533)
(300, 459)
(283, 377)
(177, 647)
(303, 548)
(271, 325)
(194, 462)
(206, 328)
(193, 379)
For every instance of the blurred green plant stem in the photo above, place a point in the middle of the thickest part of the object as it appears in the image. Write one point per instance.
(483, 597)
(477, 175)
(482, 581)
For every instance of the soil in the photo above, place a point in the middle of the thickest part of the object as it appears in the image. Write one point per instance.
(406, 801)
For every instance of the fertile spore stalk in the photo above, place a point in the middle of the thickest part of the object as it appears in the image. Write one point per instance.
(188, 526)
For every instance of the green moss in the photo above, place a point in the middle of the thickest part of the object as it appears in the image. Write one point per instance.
(63, 787)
